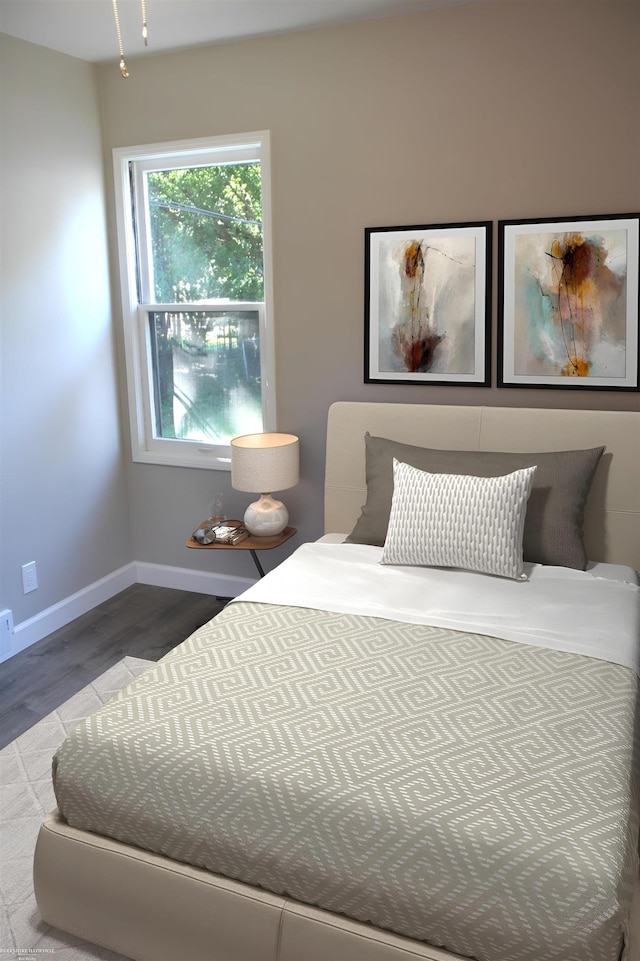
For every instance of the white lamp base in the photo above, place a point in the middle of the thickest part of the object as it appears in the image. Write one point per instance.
(266, 517)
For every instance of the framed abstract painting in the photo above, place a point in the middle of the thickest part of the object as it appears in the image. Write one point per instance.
(568, 302)
(427, 304)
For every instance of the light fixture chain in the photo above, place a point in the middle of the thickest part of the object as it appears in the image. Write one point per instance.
(123, 66)
(145, 32)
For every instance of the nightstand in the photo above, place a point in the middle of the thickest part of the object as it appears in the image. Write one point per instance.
(250, 543)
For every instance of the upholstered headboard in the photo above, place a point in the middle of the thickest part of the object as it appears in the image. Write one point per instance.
(612, 517)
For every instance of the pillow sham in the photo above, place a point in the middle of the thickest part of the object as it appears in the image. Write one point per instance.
(457, 520)
(553, 525)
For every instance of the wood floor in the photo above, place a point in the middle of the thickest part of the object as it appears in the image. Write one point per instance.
(141, 621)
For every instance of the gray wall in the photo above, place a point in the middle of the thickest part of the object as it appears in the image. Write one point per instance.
(64, 500)
(486, 111)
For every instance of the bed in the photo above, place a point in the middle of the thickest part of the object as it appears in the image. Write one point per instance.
(540, 731)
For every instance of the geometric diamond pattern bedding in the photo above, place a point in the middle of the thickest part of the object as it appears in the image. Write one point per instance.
(467, 791)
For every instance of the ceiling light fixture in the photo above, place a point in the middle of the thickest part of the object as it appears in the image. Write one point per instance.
(145, 33)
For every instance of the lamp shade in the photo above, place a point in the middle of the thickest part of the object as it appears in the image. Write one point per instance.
(262, 463)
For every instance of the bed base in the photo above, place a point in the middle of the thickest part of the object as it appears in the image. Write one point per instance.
(150, 908)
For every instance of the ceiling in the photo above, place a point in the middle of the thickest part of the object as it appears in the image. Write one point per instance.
(86, 28)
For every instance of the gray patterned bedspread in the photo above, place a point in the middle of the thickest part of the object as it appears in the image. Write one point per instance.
(467, 791)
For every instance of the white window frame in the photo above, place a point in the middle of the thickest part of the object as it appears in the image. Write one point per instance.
(145, 447)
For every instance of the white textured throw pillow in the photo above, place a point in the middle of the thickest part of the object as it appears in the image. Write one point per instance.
(455, 520)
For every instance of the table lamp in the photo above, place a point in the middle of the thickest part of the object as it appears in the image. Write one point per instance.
(261, 463)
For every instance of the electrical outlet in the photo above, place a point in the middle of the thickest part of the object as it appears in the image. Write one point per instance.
(29, 577)
(6, 631)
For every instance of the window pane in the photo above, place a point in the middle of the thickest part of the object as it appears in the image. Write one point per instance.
(196, 254)
(206, 371)
(205, 228)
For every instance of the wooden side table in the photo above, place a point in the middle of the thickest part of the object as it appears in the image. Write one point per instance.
(250, 543)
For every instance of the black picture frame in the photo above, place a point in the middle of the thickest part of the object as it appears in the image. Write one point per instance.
(428, 304)
(568, 302)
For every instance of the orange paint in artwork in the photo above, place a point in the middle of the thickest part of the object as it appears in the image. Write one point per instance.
(413, 259)
(576, 367)
(583, 275)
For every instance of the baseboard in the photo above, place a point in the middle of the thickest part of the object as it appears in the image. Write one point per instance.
(35, 628)
(52, 618)
(183, 579)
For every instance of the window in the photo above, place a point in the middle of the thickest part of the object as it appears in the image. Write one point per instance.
(194, 242)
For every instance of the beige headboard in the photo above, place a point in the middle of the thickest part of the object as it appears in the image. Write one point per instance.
(612, 518)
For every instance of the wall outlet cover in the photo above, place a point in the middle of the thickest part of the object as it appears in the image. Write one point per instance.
(29, 577)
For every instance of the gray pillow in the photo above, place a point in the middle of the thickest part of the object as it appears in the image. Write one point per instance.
(553, 526)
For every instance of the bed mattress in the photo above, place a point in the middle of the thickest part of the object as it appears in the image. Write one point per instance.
(465, 790)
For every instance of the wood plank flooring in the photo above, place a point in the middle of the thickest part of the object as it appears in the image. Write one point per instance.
(141, 621)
